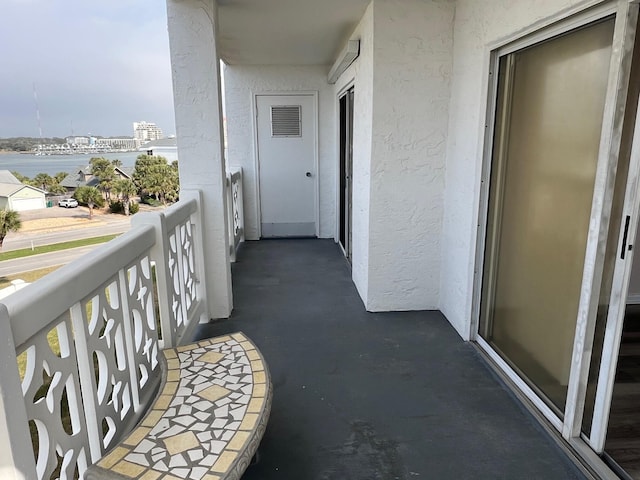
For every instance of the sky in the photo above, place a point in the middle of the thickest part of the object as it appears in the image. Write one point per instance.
(98, 66)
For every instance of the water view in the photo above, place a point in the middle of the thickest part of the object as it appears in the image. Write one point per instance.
(30, 165)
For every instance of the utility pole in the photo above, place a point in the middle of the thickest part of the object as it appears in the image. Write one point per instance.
(35, 98)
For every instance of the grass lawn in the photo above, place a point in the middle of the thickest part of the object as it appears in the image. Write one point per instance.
(27, 252)
(28, 277)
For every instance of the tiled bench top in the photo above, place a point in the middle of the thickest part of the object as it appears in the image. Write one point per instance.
(207, 420)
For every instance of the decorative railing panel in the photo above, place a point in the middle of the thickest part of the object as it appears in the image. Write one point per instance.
(51, 390)
(139, 295)
(179, 253)
(87, 339)
(235, 205)
(74, 338)
(99, 323)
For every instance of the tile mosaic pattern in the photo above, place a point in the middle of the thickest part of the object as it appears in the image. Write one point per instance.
(207, 420)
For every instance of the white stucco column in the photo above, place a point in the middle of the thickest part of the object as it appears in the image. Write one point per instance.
(198, 109)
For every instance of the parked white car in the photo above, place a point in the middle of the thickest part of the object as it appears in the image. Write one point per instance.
(68, 203)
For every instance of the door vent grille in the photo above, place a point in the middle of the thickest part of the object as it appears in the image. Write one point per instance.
(285, 121)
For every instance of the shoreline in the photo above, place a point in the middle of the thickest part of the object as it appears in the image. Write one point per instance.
(10, 152)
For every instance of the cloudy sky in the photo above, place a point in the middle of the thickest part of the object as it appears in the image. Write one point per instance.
(98, 66)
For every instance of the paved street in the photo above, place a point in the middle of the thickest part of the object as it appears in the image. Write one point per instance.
(16, 241)
(26, 264)
(104, 225)
(100, 225)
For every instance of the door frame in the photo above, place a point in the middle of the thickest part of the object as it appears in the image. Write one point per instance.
(344, 90)
(256, 151)
(569, 424)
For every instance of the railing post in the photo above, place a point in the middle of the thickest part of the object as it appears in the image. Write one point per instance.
(87, 380)
(240, 201)
(235, 204)
(197, 229)
(16, 451)
(231, 225)
(160, 255)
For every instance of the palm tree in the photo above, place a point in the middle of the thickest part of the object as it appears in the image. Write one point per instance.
(43, 181)
(9, 222)
(90, 196)
(126, 189)
(104, 171)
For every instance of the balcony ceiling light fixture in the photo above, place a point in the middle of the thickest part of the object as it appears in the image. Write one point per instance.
(346, 58)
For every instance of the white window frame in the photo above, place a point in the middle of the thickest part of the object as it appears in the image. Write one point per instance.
(626, 12)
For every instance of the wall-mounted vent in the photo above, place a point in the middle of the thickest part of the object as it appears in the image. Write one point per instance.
(285, 121)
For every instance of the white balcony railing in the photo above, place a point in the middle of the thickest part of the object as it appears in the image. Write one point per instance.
(87, 340)
(235, 206)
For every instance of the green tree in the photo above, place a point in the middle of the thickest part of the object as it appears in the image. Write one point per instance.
(60, 176)
(154, 176)
(126, 189)
(90, 196)
(43, 181)
(9, 222)
(21, 178)
(57, 189)
(105, 172)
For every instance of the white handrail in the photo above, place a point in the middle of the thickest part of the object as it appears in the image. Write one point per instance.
(57, 293)
(179, 268)
(88, 338)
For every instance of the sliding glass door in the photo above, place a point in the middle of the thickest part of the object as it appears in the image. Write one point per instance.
(550, 104)
(559, 212)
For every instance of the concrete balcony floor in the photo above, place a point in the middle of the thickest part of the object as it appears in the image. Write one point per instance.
(360, 395)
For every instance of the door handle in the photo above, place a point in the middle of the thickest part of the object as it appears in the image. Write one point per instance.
(308, 174)
(625, 235)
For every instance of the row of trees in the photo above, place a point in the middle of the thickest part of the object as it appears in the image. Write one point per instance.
(45, 182)
(153, 177)
(26, 144)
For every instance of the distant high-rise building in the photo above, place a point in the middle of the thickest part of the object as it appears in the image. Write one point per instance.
(146, 132)
(78, 140)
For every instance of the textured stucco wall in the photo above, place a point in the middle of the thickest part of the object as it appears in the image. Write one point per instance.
(402, 85)
(241, 81)
(196, 90)
(478, 26)
(413, 41)
(360, 75)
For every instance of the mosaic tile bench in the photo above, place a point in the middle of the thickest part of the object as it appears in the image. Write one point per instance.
(207, 420)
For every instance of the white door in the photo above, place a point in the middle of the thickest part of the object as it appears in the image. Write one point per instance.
(287, 164)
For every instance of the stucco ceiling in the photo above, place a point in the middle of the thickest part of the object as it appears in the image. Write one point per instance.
(286, 32)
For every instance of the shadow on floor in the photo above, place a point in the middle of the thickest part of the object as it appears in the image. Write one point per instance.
(360, 395)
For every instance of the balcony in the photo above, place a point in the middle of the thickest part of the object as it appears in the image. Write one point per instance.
(372, 395)
(357, 394)
(87, 339)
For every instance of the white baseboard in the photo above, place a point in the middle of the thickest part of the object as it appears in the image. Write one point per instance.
(633, 299)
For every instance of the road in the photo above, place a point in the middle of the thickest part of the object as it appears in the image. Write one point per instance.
(44, 260)
(105, 225)
(16, 241)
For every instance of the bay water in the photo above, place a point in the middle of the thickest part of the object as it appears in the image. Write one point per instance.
(30, 165)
